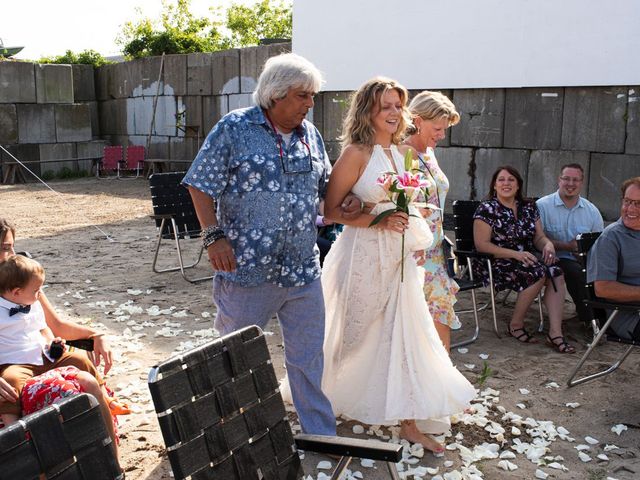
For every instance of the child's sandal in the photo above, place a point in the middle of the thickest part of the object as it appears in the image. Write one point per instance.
(118, 408)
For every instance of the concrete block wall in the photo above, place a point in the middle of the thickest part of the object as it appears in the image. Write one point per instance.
(46, 112)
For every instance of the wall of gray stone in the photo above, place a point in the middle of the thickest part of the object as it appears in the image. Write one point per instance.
(49, 112)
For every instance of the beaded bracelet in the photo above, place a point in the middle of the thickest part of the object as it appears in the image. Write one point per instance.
(212, 234)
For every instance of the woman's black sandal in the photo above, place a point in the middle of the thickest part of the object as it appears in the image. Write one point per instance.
(562, 347)
(523, 337)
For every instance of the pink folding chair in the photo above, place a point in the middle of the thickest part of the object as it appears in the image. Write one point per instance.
(135, 159)
(111, 159)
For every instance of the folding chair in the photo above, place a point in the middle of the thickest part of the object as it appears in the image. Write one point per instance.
(600, 320)
(175, 219)
(65, 441)
(466, 253)
(222, 416)
(134, 159)
(111, 160)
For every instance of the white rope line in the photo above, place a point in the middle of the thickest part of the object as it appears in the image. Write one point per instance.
(64, 201)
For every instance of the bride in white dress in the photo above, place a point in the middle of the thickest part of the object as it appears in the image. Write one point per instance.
(384, 362)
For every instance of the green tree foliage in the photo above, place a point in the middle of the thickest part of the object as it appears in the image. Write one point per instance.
(87, 57)
(179, 31)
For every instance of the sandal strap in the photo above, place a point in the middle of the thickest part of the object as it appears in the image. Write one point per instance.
(563, 346)
(524, 334)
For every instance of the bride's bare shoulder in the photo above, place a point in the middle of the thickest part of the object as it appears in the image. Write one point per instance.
(355, 152)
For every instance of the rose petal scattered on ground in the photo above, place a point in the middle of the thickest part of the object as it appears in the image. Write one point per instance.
(463, 350)
(619, 428)
(584, 457)
(591, 440)
(524, 391)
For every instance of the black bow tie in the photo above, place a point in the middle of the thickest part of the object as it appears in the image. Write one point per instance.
(19, 309)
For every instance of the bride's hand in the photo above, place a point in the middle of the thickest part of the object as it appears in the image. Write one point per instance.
(420, 257)
(396, 222)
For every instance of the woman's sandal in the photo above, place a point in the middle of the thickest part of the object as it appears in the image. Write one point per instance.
(118, 408)
(562, 346)
(523, 337)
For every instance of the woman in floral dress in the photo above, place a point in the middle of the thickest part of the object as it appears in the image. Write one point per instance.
(508, 227)
(432, 114)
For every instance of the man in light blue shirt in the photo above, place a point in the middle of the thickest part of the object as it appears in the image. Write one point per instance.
(565, 214)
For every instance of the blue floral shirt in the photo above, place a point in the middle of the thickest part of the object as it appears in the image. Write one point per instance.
(267, 196)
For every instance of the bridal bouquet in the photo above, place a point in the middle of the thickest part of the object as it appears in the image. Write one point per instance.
(402, 190)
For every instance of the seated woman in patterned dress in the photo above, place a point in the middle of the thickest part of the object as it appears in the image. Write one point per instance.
(508, 226)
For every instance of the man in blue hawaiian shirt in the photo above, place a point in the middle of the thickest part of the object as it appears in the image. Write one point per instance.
(266, 168)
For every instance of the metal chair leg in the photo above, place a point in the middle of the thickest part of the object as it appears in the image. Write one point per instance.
(493, 299)
(541, 326)
(393, 471)
(475, 317)
(342, 466)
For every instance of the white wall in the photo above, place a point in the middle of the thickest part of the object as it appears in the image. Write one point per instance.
(471, 43)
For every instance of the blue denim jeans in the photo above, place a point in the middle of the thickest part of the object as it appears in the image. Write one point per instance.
(300, 311)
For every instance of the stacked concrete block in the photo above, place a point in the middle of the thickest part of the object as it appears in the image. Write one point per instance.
(333, 150)
(89, 151)
(113, 116)
(17, 82)
(607, 174)
(58, 151)
(488, 159)
(594, 119)
(183, 148)
(73, 123)
(213, 109)
(533, 118)
(481, 118)
(84, 89)
(334, 109)
(189, 121)
(36, 123)
(174, 75)
(544, 170)
(54, 84)
(199, 78)
(252, 60)
(25, 153)
(240, 100)
(225, 72)
(458, 166)
(632, 144)
(8, 124)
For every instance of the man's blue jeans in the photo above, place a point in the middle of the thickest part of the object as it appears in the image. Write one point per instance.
(300, 311)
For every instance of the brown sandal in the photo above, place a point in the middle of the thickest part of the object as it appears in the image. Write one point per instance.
(523, 337)
(562, 346)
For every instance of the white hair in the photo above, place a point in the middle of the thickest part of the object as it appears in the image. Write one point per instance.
(283, 72)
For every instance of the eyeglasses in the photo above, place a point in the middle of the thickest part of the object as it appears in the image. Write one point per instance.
(571, 179)
(627, 202)
(293, 163)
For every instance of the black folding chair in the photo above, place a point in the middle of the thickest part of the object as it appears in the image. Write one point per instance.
(466, 253)
(222, 416)
(175, 219)
(601, 321)
(64, 441)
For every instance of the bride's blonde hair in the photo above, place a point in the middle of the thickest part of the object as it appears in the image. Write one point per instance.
(358, 124)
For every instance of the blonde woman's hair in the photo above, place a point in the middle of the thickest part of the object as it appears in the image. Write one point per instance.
(358, 123)
(434, 106)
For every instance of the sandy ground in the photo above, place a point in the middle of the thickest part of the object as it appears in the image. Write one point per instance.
(150, 317)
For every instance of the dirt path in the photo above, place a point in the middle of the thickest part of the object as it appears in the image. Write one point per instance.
(109, 283)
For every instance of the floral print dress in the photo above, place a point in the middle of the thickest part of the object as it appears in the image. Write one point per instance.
(507, 231)
(439, 289)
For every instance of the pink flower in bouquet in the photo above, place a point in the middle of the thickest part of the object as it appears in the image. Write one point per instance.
(411, 180)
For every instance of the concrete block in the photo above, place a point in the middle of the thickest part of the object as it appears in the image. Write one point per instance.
(183, 148)
(213, 109)
(150, 71)
(333, 150)
(488, 159)
(544, 170)
(175, 75)
(142, 108)
(84, 89)
(17, 82)
(8, 124)
(54, 151)
(606, 176)
(334, 109)
(24, 153)
(91, 150)
(481, 117)
(533, 118)
(199, 74)
(594, 119)
(73, 123)
(632, 144)
(317, 113)
(103, 76)
(159, 147)
(113, 117)
(252, 60)
(36, 123)
(240, 100)
(122, 78)
(189, 120)
(225, 71)
(457, 165)
(95, 119)
(54, 83)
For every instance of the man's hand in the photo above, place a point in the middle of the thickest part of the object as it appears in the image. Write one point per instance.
(351, 207)
(101, 349)
(7, 392)
(221, 256)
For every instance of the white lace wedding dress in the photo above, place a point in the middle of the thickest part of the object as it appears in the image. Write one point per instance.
(384, 361)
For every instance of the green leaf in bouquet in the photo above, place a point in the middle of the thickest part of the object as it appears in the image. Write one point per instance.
(381, 216)
(408, 160)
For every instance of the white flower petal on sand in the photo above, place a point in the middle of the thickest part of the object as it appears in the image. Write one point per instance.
(181, 313)
(367, 462)
(507, 455)
(453, 475)
(552, 385)
(591, 440)
(432, 471)
(584, 457)
(357, 474)
(463, 350)
(608, 448)
(447, 464)
(205, 314)
(358, 429)
(324, 465)
(507, 465)
(541, 475)
(521, 406)
(572, 405)
(515, 431)
(582, 447)
(619, 428)
(603, 457)
(523, 391)
(562, 431)
(470, 366)
(483, 356)
(558, 466)
(323, 476)
(131, 291)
